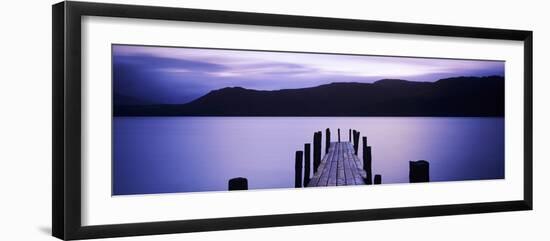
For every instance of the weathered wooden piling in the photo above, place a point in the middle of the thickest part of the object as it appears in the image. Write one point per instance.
(349, 135)
(238, 183)
(377, 179)
(367, 163)
(316, 150)
(419, 171)
(298, 169)
(356, 135)
(327, 140)
(338, 134)
(307, 163)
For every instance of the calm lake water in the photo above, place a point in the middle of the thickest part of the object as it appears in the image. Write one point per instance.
(192, 154)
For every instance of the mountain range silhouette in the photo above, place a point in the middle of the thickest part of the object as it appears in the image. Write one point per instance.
(458, 96)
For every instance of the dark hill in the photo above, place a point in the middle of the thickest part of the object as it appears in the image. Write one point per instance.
(461, 96)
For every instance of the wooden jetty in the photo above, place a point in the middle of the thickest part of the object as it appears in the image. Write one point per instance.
(340, 166)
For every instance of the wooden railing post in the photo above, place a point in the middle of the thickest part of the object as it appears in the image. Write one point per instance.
(327, 140)
(367, 163)
(298, 169)
(316, 150)
(307, 163)
(238, 183)
(356, 141)
(338, 135)
(349, 135)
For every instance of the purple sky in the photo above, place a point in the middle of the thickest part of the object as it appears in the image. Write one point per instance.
(180, 75)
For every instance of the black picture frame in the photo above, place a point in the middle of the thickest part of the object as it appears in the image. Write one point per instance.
(67, 134)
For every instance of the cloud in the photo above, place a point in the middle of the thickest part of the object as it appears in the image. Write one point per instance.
(179, 75)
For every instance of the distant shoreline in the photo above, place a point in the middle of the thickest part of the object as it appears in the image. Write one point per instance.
(452, 97)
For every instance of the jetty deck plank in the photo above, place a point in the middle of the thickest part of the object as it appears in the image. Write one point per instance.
(339, 167)
(316, 179)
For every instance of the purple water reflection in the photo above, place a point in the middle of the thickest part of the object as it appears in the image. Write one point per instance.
(192, 154)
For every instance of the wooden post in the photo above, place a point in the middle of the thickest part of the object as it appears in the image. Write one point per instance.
(349, 135)
(367, 163)
(356, 141)
(364, 141)
(354, 133)
(316, 150)
(419, 171)
(338, 135)
(298, 169)
(377, 179)
(238, 183)
(327, 140)
(353, 139)
(307, 163)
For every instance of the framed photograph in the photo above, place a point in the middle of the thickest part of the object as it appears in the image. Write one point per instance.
(169, 120)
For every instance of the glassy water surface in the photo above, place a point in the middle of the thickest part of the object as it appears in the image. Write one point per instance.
(192, 154)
